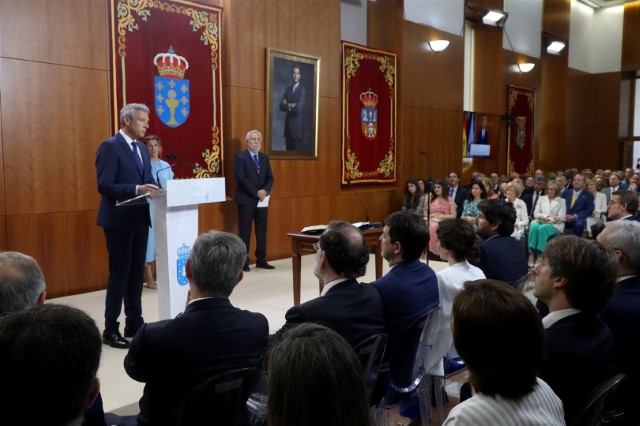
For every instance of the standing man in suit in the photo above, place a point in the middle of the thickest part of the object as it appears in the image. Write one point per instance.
(622, 313)
(501, 256)
(124, 171)
(575, 279)
(580, 206)
(482, 137)
(457, 192)
(255, 180)
(292, 104)
(173, 356)
(410, 288)
(352, 309)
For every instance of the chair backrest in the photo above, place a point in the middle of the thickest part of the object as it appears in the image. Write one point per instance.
(370, 353)
(219, 400)
(411, 353)
(591, 413)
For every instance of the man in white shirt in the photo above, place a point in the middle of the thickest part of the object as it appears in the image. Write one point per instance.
(575, 279)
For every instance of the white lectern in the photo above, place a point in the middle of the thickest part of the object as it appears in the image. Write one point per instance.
(175, 223)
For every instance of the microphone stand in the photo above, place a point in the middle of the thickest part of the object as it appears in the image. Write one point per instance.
(161, 170)
(430, 192)
(364, 207)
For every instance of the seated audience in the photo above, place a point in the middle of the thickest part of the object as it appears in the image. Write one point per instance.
(615, 184)
(549, 217)
(422, 185)
(623, 206)
(599, 205)
(352, 309)
(491, 194)
(315, 378)
(532, 197)
(410, 288)
(579, 207)
(174, 356)
(441, 207)
(575, 279)
(501, 256)
(514, 190)
(457, 192)
(413, 198)
(498, 333)
(456, 243)
(477, 193)
(622, 312)
(50, 356)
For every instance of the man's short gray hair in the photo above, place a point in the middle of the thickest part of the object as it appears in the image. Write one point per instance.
(624, 235)
(216, 261)
(248, 135)
(21, 282)
(128, 109)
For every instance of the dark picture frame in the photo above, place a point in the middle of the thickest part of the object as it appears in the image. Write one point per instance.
(292, 114)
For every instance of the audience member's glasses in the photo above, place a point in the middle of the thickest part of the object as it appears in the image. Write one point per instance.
(316, 247)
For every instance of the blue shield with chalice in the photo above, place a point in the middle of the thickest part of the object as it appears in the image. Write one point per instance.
(171, 90)
(181, 264)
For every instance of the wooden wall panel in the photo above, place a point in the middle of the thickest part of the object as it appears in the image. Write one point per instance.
(488, 69)
(68, 32)
(3, 233)
(69, 247)
(631, 37)
(50, 135)
(555, 18)
(3, 202)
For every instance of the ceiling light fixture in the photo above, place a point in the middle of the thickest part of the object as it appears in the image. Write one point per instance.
(555, 47)
(495, 18)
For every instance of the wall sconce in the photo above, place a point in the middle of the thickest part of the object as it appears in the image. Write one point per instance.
(526, 67)
(555, 47)
(495, 18)
(438, 45)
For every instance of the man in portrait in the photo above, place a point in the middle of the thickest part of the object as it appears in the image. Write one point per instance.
(292, 104)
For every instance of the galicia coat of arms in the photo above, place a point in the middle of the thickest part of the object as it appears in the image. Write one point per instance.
(521, 131)
(181, 265)
(171, 89)
(369, 114)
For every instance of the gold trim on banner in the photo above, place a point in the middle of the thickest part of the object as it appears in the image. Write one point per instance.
(209, 37)
(387, 165)
(352, 165)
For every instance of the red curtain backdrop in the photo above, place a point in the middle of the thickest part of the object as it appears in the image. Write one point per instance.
(522, 104)
(369, 80)
(185, 102)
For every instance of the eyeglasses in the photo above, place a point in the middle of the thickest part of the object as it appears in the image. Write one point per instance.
(316, 247)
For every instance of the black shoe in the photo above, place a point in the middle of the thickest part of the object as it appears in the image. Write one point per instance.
(130, 331)
(264, 265)
(246, 268)
(115, 340)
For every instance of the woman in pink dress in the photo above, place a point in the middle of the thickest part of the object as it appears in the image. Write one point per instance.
(442, 207)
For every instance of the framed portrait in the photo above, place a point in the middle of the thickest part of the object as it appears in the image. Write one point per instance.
(292, 105)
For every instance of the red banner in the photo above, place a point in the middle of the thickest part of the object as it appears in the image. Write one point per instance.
(522, 104)
(166, 54)
(369, 78)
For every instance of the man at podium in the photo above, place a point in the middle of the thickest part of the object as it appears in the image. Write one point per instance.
(253, 173)
(124, 172)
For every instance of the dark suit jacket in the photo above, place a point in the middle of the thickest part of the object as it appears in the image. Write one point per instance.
(482, 139)
(293, 120)
(527, 197)
(174, 356)
(461, 194)
(622, 315)
(117, 179)
(580, 357)
(353, 310)
(503, 258)
(583, 206)
(249, 180)
(409, 290)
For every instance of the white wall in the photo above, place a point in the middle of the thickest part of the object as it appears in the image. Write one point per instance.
(353, 21)
(524, 27)
(444, 15)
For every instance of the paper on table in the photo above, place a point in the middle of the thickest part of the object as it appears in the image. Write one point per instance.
(265, 202)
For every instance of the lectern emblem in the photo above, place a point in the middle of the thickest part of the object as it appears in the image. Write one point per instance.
(183, 256)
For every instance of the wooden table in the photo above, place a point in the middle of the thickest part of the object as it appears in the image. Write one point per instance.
(303, 244)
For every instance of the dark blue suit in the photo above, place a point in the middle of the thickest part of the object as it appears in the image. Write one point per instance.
(503, 258)
(125, 228)
(409, 290)
(580, 356)
(351, 309)
(293, 133)
(582, 208)
(173, 356)
(250, 181)
(622, 314)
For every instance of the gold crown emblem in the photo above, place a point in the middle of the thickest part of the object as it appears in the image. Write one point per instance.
(171, 65)
(369, 99)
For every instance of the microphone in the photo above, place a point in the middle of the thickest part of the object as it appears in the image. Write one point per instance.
(173, 156)
(364, 207)
(158, 173)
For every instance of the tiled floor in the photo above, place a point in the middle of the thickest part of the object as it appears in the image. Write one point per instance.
(268, 292)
